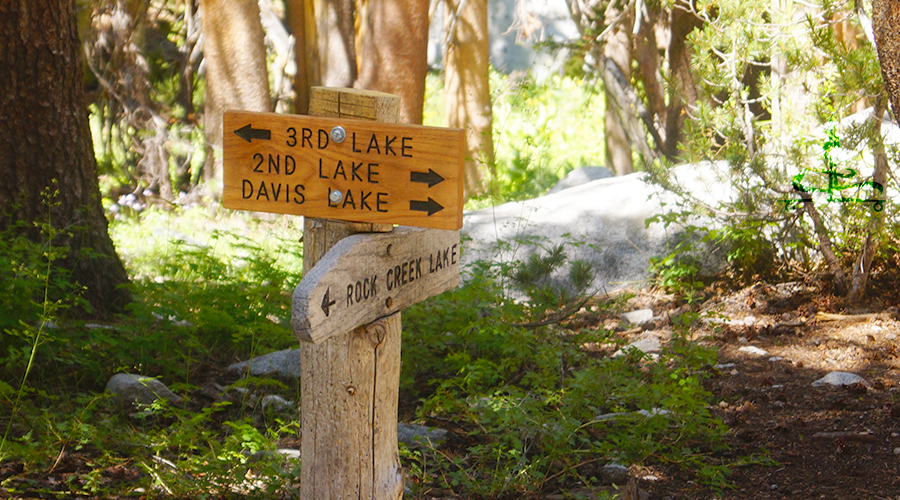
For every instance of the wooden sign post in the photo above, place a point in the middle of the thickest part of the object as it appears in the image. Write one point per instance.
(368, 176)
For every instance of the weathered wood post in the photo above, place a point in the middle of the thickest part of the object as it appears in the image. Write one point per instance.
(350, 383)
(333, 167)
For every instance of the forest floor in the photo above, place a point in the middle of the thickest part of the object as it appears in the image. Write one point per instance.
(773, 342)
(829, 442)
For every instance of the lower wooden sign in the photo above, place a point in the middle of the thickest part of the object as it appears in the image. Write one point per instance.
(368, 276)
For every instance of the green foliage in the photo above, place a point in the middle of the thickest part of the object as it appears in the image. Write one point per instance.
(536, 141)
(221, 298)
(762, 123)
(537, 410)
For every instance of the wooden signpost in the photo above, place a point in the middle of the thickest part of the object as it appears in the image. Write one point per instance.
(358, 272)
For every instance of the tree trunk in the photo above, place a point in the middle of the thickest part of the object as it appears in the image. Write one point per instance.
(336, 39)
(45, 143)
(393, 52)
(236, 76)
(467, 92)
(301, 19)
(682, 91)
(886, 27)
(618, 49)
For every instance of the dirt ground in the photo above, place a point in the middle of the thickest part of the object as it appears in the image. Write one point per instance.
(828, 442)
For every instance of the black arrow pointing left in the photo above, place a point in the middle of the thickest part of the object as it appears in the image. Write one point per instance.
(248, 133)
(430, 206)
(326, 304)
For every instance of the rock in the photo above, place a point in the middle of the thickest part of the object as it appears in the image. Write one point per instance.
(609, 214)
(613, 473)
(276, 403)
(581, 176)
(756, 351)
(647, 344)
(289, 453)
(637, 318)
(840, 378)
(139, 390)
(284, 364)
(419, 435)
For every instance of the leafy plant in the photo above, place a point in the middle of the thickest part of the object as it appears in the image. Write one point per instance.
(534, 409)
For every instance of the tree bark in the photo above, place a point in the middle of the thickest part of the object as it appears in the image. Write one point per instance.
(236, 76)
(393, 52)
(301, 19)
(335, 34)
(618, 49)
(45, 143)
(467, 92)
(886, 27)
(683, 91)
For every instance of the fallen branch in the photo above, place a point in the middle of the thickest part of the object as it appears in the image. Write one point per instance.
(823, 316)
(862, 437)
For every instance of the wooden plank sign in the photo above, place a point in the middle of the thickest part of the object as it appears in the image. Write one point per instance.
(368, 276)
(343, 169)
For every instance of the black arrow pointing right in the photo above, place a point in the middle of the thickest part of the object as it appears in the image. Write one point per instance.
(430, 206)
(326, 304)
(431, 177)
(248, 133)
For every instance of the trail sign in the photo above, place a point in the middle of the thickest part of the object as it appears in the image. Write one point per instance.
(368, 276)
(344, 169)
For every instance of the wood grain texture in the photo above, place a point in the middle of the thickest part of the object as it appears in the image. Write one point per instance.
(350, 383)
(368, 276)
(291, 165)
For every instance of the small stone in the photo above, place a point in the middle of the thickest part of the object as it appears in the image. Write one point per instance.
(276, 403)
(775, 359)
(896, 451)
(289, 453)
(840, 378)
(646, 345)
(139, 390)
(638, 317)
(418, 435)
(756, 351)
(285, 364)
(724, 366)
(613, 473)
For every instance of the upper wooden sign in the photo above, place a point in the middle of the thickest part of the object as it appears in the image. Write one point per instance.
(344, 169)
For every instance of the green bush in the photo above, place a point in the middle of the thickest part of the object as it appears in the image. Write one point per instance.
(537, 410)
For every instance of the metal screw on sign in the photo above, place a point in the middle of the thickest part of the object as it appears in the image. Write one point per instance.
(335, 196)
(338, 134)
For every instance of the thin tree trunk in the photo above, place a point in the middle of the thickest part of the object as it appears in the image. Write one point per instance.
(862, 266)
(467, 92)
(45, 143)
(236, 76)
(618, 49)
(393, 52)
